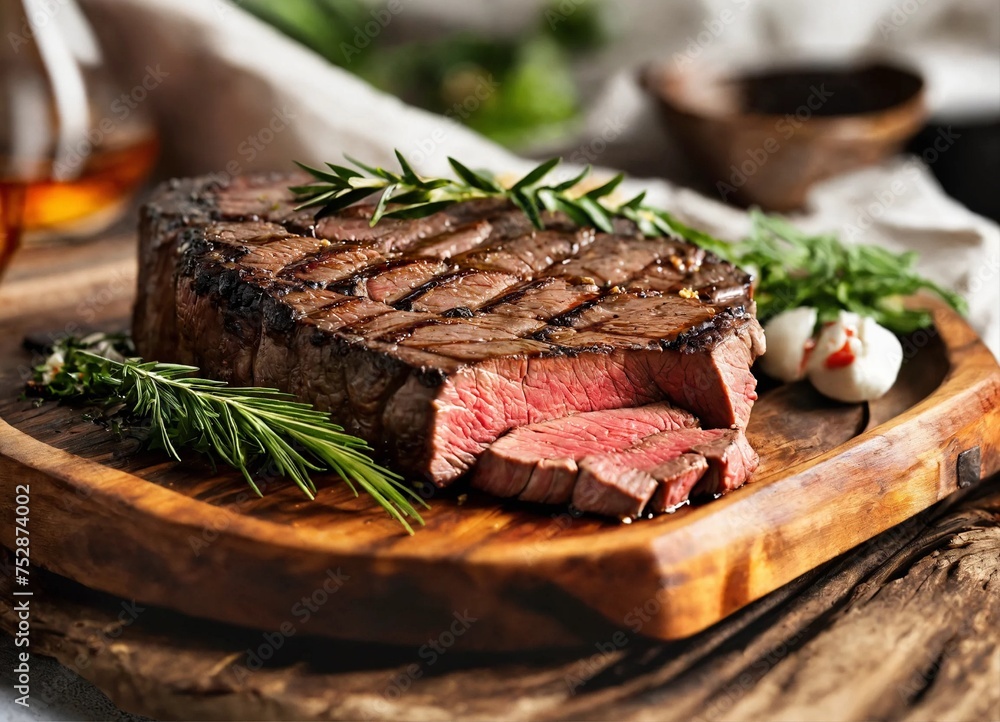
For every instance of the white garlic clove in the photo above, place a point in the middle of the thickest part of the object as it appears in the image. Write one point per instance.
(855, 359)
(788, 337)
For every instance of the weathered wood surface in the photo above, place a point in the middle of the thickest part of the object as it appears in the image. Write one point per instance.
(193, 540)
(906, 627)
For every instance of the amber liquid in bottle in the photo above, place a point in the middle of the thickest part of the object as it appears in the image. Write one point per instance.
(108, 178)
(44, 208)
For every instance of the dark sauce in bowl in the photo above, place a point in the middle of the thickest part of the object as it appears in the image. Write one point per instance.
(833, 91)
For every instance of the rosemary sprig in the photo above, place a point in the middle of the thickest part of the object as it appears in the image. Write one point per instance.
(241, 427)
(796, 269)
(790, 268)
(413, 196)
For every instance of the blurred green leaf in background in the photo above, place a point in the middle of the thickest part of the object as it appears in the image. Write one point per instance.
(518, 91)
(321, 25)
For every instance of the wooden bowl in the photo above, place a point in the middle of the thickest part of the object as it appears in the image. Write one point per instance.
(765, 137)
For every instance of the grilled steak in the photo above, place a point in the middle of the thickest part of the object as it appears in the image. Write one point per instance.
(431, 338)
(618, 462)
(669, 464)
(538, 462)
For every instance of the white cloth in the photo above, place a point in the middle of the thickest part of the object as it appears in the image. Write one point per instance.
(237, 96)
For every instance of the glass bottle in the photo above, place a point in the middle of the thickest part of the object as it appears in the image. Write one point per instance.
(72, 153)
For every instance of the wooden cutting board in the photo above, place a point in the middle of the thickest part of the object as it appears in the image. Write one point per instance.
(501, 575)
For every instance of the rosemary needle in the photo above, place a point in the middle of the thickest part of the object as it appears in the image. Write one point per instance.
(241, 426)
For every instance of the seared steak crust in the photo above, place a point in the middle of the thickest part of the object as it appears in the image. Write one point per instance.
(431, 338)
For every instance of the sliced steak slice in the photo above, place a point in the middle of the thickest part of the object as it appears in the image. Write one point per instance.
(481, 401)
(622, 496)
(676, 478)
(620, 483)
(431, 338)
(731, 460)
(538, 462)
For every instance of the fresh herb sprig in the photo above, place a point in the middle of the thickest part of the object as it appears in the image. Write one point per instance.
(796, 269)
(791, 268)
(242, 427)
(413, 196)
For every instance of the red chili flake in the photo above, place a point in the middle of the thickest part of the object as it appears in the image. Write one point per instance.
(843, 356)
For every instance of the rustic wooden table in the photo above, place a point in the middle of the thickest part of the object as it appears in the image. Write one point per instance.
(906, 626)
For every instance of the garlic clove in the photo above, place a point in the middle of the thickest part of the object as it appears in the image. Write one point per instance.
(788, 337)
(855, 359)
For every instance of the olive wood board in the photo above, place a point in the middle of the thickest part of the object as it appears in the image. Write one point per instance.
(501, 575)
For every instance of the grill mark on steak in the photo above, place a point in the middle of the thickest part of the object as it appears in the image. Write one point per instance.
(513, 297)
(570, 317)
(710, 282)
(485, 243)
(392, 284)
(635, 318)
(354, 274)
(464, 356)
(390, 280)
(499, 254)
(449, 331)
(611, 260)
(507, 258)
(525, 255)
(346, 313)
(542, 298)
(467, 288)
(298, 303)
(391, 327)
(333, 263)
(451, 243)
(391, 234)
(680, 263)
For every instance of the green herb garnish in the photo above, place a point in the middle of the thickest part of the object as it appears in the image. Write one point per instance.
(413, 196)
(795, 269)
(242, 427)
(790, 268)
